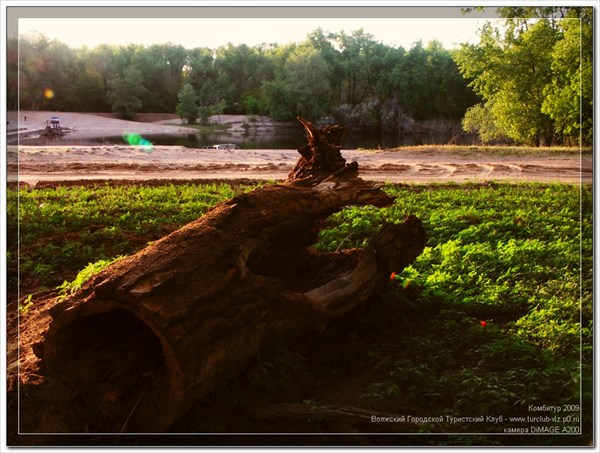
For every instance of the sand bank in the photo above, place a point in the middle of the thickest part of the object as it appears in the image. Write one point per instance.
(55, 163)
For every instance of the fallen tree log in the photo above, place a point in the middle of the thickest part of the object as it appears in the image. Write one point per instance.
(148, 337)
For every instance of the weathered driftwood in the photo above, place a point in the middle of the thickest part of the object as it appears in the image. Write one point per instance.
(147, 338)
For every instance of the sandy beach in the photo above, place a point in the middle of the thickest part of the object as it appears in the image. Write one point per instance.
(86, 125)
(82, 126)
(31, 164)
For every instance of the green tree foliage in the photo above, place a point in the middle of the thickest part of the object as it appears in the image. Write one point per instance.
(273, 91)
(187, 108)
(98, 64)
(12, 73)
(89, 88)
(358, 57)
(202, 75)
(446, 94)
(240, 71)
(531, 77)
(569, 98)
(351, 77)
(480, 120)
(127, 93)
(162, 67)
(45, 65)
(205, 111)
(303, 88)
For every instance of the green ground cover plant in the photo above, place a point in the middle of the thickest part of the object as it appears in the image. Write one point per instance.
(56, 232)
(518, 249)
(498, 308)
(493, 317)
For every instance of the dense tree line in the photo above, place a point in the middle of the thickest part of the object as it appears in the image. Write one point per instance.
(349, 77)
(528, 82)
(125, 79)
(534, 76)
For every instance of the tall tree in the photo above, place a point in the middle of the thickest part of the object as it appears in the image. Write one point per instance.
(273, 91)
(127, 93)
(307, 82)
(328, 47)
(12, 73)
(349, 76)
(240, 72)
(46, 70)
(358, 52)
(528, 76)
(202, 75)
(569, 97)
(162, 70)
(416, 89)
(187, 108)
(88, 89)
(100, 62)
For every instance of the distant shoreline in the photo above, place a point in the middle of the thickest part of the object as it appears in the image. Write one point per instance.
(27, 125)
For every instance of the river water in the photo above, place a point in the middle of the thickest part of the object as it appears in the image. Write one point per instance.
(295, 138)
(280, 138)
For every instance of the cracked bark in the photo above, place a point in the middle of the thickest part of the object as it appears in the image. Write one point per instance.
(148, 337)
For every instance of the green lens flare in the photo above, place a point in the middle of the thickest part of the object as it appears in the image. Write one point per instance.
(137, 140)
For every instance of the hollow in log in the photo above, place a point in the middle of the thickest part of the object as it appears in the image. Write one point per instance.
(144, 340)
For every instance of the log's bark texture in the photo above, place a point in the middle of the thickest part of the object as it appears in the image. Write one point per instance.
(147, 338)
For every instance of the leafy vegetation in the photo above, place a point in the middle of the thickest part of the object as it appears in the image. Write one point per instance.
(186, 107)
(25, 304)
(528, 80)
(54, 233)
(68, 288)
(127, 93)
(500, 248)
(534, 76)
(494, 316)
(352, 78)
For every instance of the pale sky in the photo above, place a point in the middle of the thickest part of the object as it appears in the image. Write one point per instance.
(215, 32)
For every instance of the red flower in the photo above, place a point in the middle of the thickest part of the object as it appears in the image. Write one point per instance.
(483, 323)
(392, 277)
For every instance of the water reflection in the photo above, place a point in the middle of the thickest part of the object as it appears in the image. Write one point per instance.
(294, 139)
(281, 138)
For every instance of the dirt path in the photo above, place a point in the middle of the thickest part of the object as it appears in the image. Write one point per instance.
(56, 163)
